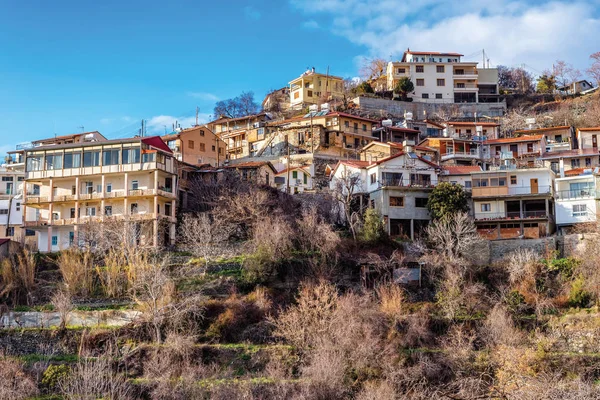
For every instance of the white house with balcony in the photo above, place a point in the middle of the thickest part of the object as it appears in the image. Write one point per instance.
(576, 199)
(398, 188)
(440, 77)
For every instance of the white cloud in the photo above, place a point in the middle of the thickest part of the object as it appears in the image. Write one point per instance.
(158, 124)
(310, 24)
(203, 96)
(511, 32)
(251, 13)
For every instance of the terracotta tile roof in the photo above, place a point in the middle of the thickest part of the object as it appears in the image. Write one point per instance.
(356, 163)
(593, 129)
(283, 171)
(435, 124)
(570, 153)
(550, 129)
(460, 169)
(527, 138)
(227, 119)
(575, 171)
(468, 123)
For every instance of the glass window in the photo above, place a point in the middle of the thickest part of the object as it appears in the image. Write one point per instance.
(134, 185)
(579, 210)
(110, 157)
(108, 187)
(35, 163)
(54, 240)
(131, 155)
(53, 161)
(72, 160)
(108, 210)
(396, 201)
(421, 202)
(486, 207)
(91, 158)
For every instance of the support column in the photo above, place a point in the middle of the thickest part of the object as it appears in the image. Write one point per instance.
(103, 186)
(75, 235)
(173, 221)
(155, 232)
(77, 188)
(49, 238)
(521, 207)
(499, 234)
(412, 229)
(156, 181)
(77, 212)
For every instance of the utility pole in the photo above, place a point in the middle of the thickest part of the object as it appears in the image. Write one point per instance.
(312, 137)
(287, 142)
(197, 110)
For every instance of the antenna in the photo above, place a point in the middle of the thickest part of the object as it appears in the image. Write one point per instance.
(80, 127)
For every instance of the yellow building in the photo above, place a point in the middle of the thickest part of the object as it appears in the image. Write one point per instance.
(313, 88)
(196, 146)
(80, 184)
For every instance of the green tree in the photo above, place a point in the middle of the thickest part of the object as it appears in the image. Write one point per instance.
(546, 84)
(365, 87)
(447, 199)
(404, 87)
(373, 230)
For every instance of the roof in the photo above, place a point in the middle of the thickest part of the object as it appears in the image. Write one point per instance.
(469, 123)
(426, 53)
(177, 135)
(283, 171)
(527, 138)
(4, 241)
(401, 129)
(311, 73)
(575, 171)
(550, 129)
(228, 119)
(460, 169)
(592, 129)
(434, 123)
(342, 114)
(70, 136)
(154, 141)
(355, 163)
(252, 165)
(570, 153)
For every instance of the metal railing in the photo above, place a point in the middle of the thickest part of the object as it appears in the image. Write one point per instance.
(577, 194)
(513, 215)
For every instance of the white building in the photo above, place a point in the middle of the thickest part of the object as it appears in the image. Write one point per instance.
(444, 78)
(300, 178)
(576, 199)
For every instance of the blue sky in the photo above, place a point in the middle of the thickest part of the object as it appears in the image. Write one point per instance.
(105, 65)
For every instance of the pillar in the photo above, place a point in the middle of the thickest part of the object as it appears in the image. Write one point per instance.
(49, 238)
(77, 211)
(155, 181)
(155, 232)
(103, 179)
(520, 208)
(77, 188)
(412, 229)
(76, 235)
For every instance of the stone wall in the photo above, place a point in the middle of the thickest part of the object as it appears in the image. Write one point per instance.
(500, 248)
(574, 245)
(34, 319)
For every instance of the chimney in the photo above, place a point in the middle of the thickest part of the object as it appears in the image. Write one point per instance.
(561, 167)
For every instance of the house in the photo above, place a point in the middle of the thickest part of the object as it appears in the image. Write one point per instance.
(526, 149)
(458, 151)
(257, 172)
(314, 88)
(459, 175)
(576, 198)
(196, 146)
(469, 130)
(511, 202)
(557, 138)
(299, 177)
(375, 151)
(434, 129)
(130, 181)
(237, 133)
(444, 78)
(11, 204)
(563, 161)
(8, 247)
(587, 138)
(575, 87)
(398, 188)
(396, 134)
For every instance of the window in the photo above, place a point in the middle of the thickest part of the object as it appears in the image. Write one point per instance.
(438, 95)
(36, 190)
(72, 160)
(309, 93)
(513, 179)
(530, 147)
(191, 144)
(468, 184)
(347, 124)
(20, 178)
(460, 85)
(364, 127)
(202, 147)
(9, 188)
(575, 163)
(29, 232)
(396, 201)
(90, 211)
(167, 209)
(108, 187)
(54, 240)
(486, 207)
(401, 70)
(89, 188)
(579, 210)
(305, 178)
(420, 68)
(54, 161)
(108, 211)
(441, 82)
(91, 158)
(295, 174)
(439, 69)
(3, 211)
(7, 179)
(71, 238)
(148, 157)
(588, 162)
(420, 82)
(110, 157)
(421, 202)
(201, 132)
(134, 208)
(213, 148)
(134, 185)
(296, 95)
(34, 163)
(72, 213)
(425, 95)
(373, 178)
(18, 207)
(10, 231)
(131, 156)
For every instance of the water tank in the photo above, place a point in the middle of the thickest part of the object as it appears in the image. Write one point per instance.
(325, 107)
(408, 116)
(313, 107)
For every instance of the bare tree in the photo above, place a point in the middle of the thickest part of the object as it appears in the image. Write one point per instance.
(453, 237)
(15, 384)
(594, 69)
(564, 73)
(240, 106)
(205, 236)
(94, 379)
(63, 304)
(374, 70)
(346, 187)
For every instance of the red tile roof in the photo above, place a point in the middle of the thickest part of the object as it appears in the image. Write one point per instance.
(527, 138)
(356, 163)
(461, 169)
(156, 141)
(570, 153)
(575, 171)
(283, 171)
(593, 129)
(552, 128)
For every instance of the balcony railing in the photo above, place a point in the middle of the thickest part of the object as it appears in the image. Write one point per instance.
(487, 191)
(97, 218)
(466, 86)
(35, 200)
(537, 214)
(141, 192)
(408, 183)
(473, 153)
(577, 194)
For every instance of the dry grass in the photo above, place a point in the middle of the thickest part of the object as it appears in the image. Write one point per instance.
(15, 384)
(95, 379)
(18, 277)
(113, 277)
(392, 300)
(77, 269)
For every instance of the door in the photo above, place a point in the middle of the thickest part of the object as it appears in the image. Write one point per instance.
(595, 141)
(514, 149)
(533, 183)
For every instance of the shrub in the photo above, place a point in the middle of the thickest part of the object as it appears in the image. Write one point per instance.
(391, 300)
(373, 230)
(15, 384)
(54, 374)
(95, 379)
(76, 269)
(18, 277)
(578, 296)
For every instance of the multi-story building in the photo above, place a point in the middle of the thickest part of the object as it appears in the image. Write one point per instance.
(587, 138)
(524, 149)
(511, 202)
(196, 146)
(398, 188)
(468, 130)
(443, 78)
(459, 151)
(314, 88)
(459, 175)
(238, 133)
(300, 178)
(257, 172)
(576, 199)
(557, 138)
(571, 160)
(76, 185)
(11, 204)
(376, 151)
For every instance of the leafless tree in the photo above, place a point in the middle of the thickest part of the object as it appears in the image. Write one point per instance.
(63, 304)
(93, 379)
(205, 236)
(453, 237)
(346, 187)
(564, 73)
(15, 384)
(594, 69)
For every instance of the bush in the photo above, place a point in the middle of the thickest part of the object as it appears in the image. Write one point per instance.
(54, 374)
(373, 230)
(15, 384)
(578, 296)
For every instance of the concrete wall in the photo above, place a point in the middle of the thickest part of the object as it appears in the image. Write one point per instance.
(499, 249)
(424, 110)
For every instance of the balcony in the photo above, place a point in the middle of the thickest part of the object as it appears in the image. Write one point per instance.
(471, 75)
(141, 192)
(591, 193)
(97, 219)
(493, 191)
(466, 87)
(406, 183)
(30, 200)
(512, 215)
(451, 154)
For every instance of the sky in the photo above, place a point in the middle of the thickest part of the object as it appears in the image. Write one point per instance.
(68, 66)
